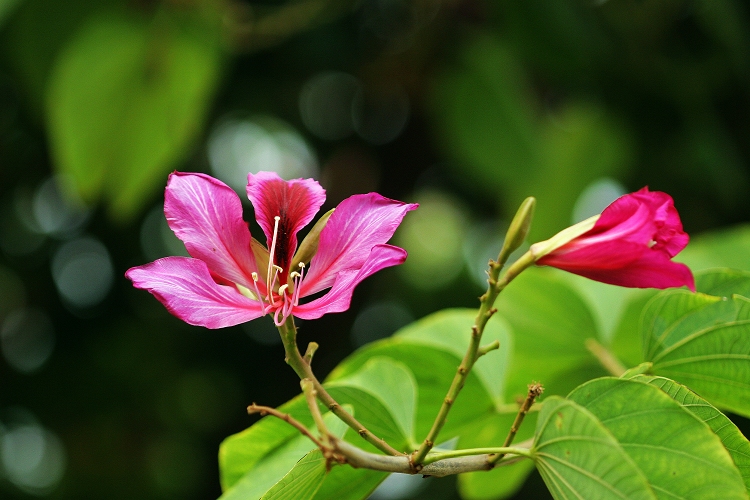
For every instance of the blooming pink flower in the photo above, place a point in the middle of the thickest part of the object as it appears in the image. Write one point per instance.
(231, 278)
(630, 244)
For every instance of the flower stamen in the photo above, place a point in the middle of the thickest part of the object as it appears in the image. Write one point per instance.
(269, 284)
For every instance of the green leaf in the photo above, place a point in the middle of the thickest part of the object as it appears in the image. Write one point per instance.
(422, 345)
(703, 342)
(725, 248)
(242, 451)
(550, 323)
(579, 458)
(723, 282)
(664, 313)
(392, 384)
(125, 100)
(735, 443)
(348, 483)
(302, 482)
(675, 450)
(451, 330)
(273, 465)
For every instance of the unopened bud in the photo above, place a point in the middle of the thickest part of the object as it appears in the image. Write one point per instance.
(519, 228)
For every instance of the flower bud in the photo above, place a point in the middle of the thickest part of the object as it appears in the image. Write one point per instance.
(519, 228)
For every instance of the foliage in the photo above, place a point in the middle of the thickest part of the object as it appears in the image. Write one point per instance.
(645, 436)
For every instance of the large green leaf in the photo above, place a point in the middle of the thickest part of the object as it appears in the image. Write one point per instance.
(723, 282)
(724, 248)
(274, 465)
(348, 483)
(451, 331)
(302, 482)
(241, 452)
(125, 100)
(392, 384)
(735, 443)
(677, 452)
(425, 346)
(579, 458)
(703, 342)
(550, 324)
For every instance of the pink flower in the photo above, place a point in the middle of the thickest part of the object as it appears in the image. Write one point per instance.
(232, 278)
(630, 244)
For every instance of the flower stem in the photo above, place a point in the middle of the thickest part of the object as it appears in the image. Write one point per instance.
(499, 451)
(303, 370)
(495, 285)
(607, 359)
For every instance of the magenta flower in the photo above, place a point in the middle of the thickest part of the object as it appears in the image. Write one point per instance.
(231, 278)
(630, 244)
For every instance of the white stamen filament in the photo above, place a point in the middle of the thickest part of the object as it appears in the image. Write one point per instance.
(269, 283)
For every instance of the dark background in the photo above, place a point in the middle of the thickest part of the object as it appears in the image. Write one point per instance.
(465, 106)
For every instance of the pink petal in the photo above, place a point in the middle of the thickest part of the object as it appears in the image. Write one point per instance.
(296, 202)
(339, 296)
(604, 255)
(651, 270)
(186, 289)
(359, 223)
(625, 219)
(206, 215)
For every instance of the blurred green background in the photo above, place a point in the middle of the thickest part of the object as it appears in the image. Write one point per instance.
(465, 106)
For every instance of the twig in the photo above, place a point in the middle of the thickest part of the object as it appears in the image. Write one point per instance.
(267, 410)
(535, 390)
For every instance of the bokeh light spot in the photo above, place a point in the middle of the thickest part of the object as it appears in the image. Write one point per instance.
(433, 236)
(482, 243)
(379, 117)
(595, 198)
(157, 239)
(32, 458)
(27, 339)
(237, 147)
(325, 104)
(57, 210)
(83, 272)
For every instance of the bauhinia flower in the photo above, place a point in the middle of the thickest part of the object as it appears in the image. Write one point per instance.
(231, 278)
(631, 243)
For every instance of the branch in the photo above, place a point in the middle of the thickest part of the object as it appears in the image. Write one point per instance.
(494, 286)
(452, 464)
(302, 368)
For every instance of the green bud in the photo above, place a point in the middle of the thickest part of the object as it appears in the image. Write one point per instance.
(309, 245)
(519, 228)
(542, 248)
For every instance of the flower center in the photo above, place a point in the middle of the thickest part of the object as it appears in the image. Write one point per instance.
(284, 300)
